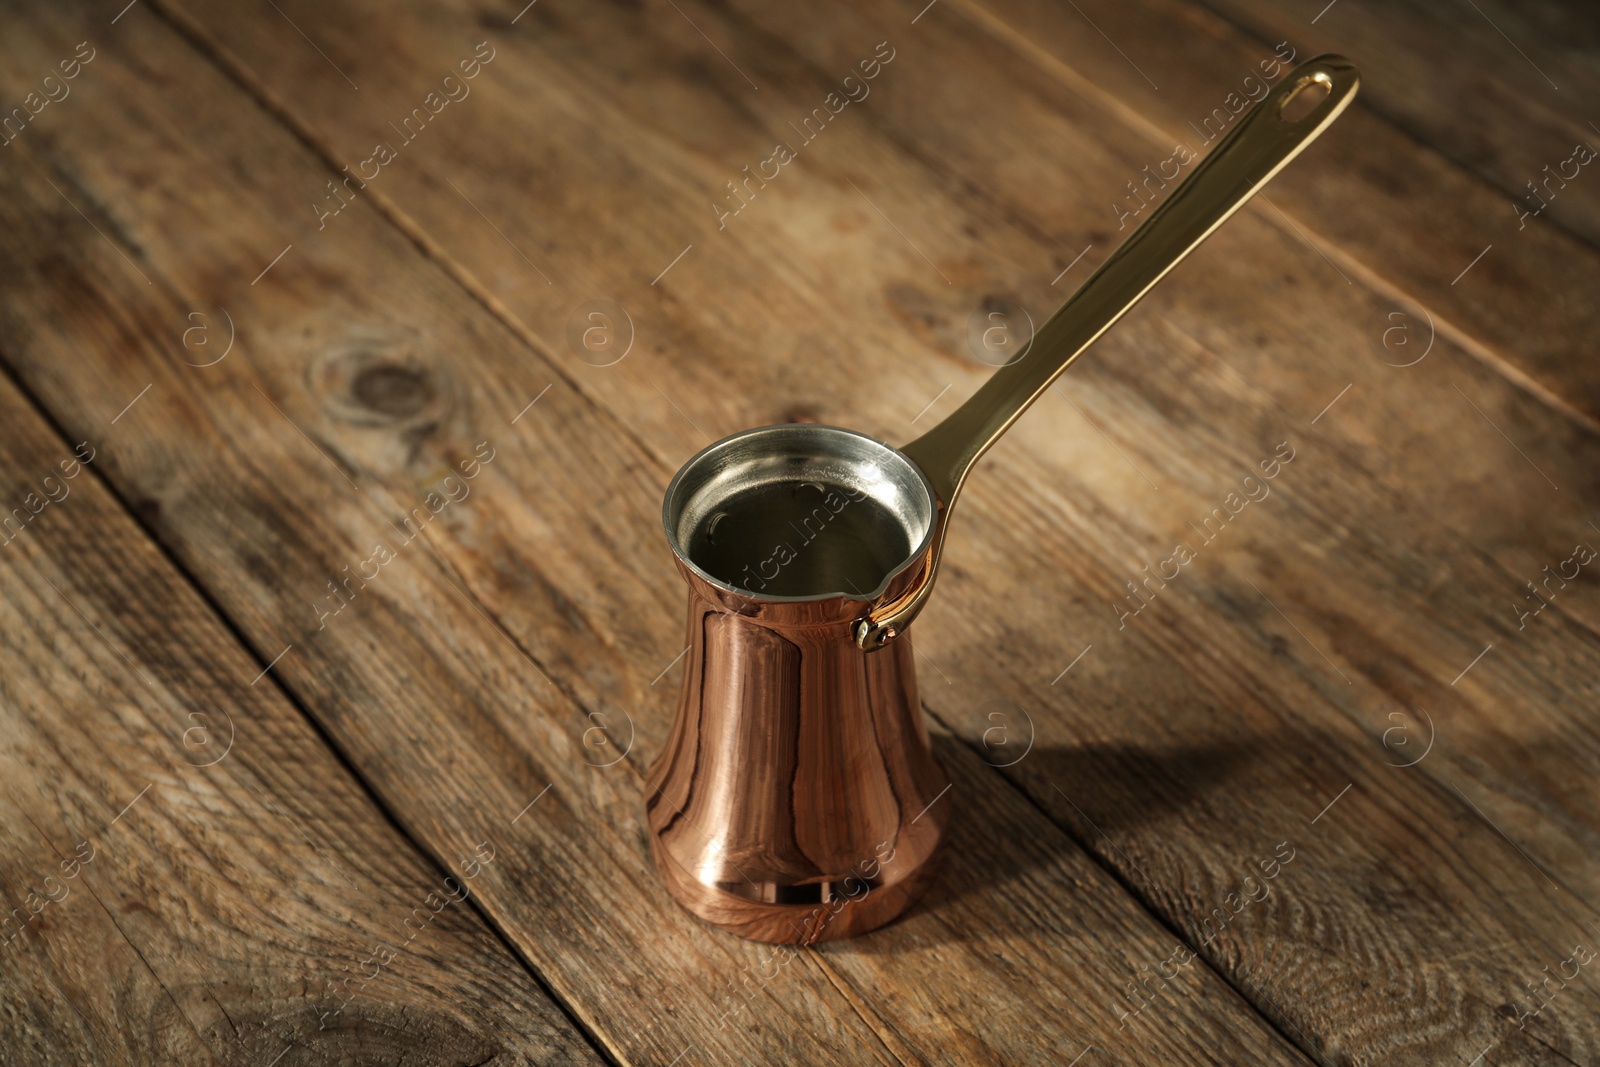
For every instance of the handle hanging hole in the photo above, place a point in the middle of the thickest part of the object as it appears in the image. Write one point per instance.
(1304, 97)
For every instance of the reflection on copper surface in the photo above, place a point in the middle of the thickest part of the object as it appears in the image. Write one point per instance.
(792, 801)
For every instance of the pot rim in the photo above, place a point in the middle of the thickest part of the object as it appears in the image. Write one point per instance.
(675, 488)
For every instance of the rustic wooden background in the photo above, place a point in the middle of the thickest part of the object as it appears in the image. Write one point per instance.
(242, 827)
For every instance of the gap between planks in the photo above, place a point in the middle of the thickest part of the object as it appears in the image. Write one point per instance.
(212, 51)
(232, 632)
(1370, 278)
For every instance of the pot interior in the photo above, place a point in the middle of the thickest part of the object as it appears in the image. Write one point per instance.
(799, 512)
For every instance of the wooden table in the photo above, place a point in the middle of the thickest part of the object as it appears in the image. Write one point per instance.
(340, 629)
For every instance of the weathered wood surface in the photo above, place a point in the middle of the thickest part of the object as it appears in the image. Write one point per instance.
(189, 875)
(1381, 207)
(770, 388)
(447, 718)
(1181, 750)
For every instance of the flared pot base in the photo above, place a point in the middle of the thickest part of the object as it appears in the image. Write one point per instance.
(859, 906)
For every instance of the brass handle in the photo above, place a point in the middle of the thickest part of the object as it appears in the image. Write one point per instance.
(1260, 145)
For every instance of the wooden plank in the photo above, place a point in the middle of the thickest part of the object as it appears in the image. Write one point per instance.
(1522, 501)
(1394, 429)
(1014, 557)
(450, 718)
(189, 874)
(1276, 335)
(1343, 604)
(1390, 213)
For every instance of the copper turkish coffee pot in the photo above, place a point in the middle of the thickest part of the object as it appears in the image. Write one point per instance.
(798, 798)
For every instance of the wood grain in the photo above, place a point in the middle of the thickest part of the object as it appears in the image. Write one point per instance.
(1274, 346)
(1182, 754)
(1385, 210)
(1502, 89)
(462, 733)
(189, 874)
(1075, 472)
